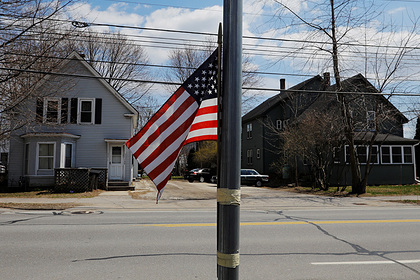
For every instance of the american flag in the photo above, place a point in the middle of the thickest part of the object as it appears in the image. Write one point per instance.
(189, 115)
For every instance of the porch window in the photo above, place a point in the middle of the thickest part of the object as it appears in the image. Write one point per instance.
(397, 154)
(362, 153)
(46, 156)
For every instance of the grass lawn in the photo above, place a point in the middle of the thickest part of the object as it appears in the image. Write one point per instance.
(383, 190)
(49, 194)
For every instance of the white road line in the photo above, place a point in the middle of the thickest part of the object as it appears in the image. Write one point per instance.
(367, 262)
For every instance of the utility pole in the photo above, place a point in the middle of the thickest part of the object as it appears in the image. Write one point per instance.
(229, 187)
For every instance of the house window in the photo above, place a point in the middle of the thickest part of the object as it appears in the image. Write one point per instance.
(362, 153)
(51, 110)
(286, 123)
(258, 153)
(408, 156)
(66, 155)
(86, 111)
(249, 131)
(46, 156)
(249, 156)
(279, 124)
(336, 155)
(371, 120)
(26, 171)
(396, 154)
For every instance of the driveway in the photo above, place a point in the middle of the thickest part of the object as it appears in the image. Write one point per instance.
(255, 198)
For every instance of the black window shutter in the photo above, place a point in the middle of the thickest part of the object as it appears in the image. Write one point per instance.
(98, 110)
(73, 110)
(39, 109)
(64, 110)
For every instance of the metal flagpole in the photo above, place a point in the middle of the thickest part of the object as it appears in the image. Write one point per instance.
(229, 187)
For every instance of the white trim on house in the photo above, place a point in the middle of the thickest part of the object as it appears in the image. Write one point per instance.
(52, 134)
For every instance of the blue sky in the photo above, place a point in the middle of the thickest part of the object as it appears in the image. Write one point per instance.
(204, 16)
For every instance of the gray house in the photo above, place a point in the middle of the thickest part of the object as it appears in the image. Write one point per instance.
(78, 122)
(393, 160)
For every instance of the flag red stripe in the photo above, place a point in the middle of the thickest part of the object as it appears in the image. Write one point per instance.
(155, 117)
(200, 138)
(207, 110)
(205, 124)
(187, 103)
(162, 146)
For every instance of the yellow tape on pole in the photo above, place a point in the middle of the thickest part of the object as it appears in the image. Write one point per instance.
(228, 260)
(228, 196)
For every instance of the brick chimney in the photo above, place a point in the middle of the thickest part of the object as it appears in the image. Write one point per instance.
(282, 84)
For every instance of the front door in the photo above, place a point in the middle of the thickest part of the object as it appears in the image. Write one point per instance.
(116, 162)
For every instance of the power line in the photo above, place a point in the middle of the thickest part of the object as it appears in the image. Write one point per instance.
(173, 83)
(88, 24)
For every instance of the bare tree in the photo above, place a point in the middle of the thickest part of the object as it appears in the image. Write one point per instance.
(184, 61)
(335, 22)
(26, 41)
(121, 62)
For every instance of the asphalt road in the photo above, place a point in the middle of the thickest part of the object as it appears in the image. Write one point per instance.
(309, 243)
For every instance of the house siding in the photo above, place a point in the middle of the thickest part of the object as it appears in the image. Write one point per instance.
(91, 148)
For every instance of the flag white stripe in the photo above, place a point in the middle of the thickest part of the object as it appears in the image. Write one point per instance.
(178, 102)
(167, 133)
(206, 117)
(209, 102)
(202, 132)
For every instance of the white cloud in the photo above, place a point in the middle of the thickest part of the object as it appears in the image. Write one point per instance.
(396, 10)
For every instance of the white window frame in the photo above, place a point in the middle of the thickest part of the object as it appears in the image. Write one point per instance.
(79, 110)
(45, 110)
(258, 154)
(249, 131)
(378, 151)
(391, 158)
(249, 156)
(279, 124)
(63, 155)
(37, 155)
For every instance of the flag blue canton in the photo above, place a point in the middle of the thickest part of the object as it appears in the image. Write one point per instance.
(202, 84)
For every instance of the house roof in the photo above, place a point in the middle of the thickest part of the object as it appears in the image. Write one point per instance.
(357, 83)
(384, 139)
(276, 99)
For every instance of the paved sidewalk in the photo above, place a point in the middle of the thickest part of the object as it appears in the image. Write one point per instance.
(181, 195)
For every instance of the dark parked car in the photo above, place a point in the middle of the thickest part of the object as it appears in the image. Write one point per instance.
(252, 177)
(200, 174)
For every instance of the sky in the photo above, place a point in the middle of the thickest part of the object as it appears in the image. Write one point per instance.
(293, 58)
